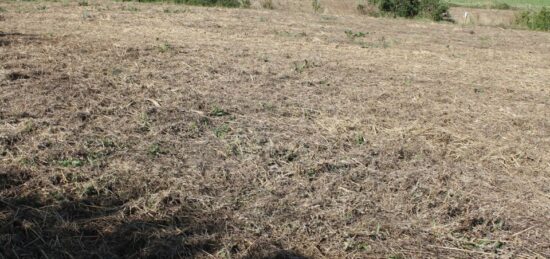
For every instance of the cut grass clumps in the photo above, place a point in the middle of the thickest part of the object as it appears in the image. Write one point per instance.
(223, 3)
(539, 21)
(432, 9)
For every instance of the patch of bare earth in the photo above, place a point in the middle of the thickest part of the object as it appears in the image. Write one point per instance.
(172, 131)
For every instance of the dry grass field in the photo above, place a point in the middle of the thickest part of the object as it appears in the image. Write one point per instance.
(165, 131)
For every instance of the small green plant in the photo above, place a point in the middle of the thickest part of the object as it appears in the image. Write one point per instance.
(268, 4)
(301, 66)
(194, 128)
(353, 35)
(83, 3)
(235, 148)
(144, 122)
(164, 47)
(221, 131)
(218, 112)
(116, 71)
(74, 177)
(268, 106)
(316, 4)
(86, 15)
(96, 158)
(535, 20)
(108, 143)
(156, 150)
(71, 162)
(28, 161)
(350, 244)
(29, 126)
(311, 173)
(58, 196)
(359, 139)
(41, 7)
(2, 9)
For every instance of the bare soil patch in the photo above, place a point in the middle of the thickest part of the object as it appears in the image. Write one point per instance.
(487, 17)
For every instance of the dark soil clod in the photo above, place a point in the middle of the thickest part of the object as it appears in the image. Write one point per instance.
(13, 76)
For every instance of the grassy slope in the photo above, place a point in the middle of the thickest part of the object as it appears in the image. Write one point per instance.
(169, 131)
(513, 3)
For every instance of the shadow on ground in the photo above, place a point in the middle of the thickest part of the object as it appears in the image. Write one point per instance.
(106, 226)
(86, 228)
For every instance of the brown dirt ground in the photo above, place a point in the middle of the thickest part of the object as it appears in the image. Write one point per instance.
(141, 130)
(487, 17)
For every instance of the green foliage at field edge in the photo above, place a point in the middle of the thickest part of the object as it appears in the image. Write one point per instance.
(535, 20)
(500, 4)
(433, 9)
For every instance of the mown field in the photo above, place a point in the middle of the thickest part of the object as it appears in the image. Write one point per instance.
(523, 4)
(169, 131)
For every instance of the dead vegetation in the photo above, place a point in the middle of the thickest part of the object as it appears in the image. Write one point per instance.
(243, 133)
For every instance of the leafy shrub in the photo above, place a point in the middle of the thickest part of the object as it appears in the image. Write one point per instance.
(401, 8)
(535, 20)
(433, 9)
